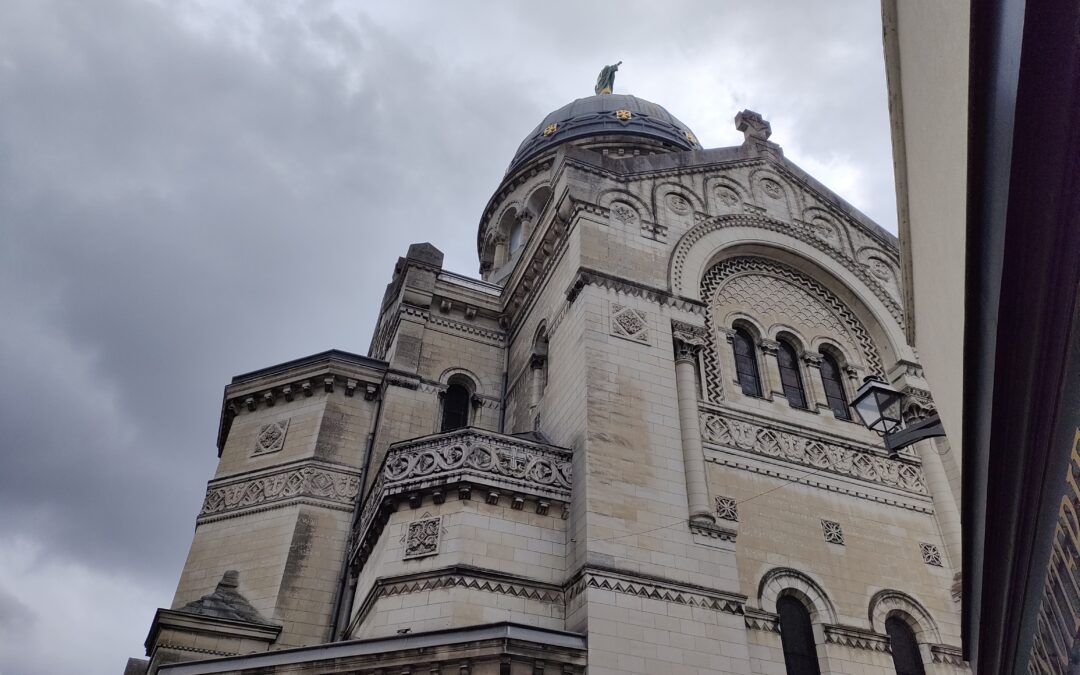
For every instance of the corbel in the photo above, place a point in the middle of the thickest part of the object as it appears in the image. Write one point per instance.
(287, 390)
(350, 387)
(370, 391)
(328, 384)
(250, 403)
(268, 398)
(306, 386)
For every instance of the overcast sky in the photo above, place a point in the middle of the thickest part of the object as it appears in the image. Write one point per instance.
(191, 190)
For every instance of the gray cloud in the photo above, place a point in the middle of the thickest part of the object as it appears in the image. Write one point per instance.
(190, 192)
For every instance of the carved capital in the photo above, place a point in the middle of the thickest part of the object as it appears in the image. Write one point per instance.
(769, 346)
(688, 339)
(537, 361)
(812, 359)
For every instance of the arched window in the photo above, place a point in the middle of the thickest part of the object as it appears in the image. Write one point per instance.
(834, 387)
(790, 378)
(516, 230)
(456, 407)
(746, 363)
(797, 637)
(905, 650)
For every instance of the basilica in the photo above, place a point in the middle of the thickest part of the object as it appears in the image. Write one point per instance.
(627, 446)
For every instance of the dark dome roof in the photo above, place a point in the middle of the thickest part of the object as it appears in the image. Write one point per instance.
(596, 116)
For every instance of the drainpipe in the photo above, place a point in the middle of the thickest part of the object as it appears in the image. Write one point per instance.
(343, 601)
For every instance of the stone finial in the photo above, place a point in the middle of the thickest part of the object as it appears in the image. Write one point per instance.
(231, 579)
(753, 125)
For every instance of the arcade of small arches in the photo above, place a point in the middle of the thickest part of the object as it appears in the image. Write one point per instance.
(799, 604)
(511, 230)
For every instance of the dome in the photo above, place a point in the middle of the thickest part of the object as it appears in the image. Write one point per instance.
(605, 115)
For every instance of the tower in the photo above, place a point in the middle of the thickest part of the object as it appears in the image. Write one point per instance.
(628, 447)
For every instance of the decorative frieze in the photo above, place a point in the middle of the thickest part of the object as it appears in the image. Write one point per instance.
(813, 452)
(655, 590)
(271, 437)
(466, 458)
(319, 483)
(949, 655)
(756, 619)
(857, 638)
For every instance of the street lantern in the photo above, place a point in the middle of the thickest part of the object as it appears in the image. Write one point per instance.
(878, 406)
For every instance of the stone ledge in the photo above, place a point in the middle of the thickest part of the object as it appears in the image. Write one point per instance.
(507, 643)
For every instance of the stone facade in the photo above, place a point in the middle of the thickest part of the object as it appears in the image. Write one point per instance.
(619, 499)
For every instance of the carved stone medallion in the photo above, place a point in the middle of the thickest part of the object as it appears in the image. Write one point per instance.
(422, 538)
(629, 323)
(678, 203)
(271, 437)
(772, 188)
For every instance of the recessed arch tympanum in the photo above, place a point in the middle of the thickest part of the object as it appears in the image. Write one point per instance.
(715, 239)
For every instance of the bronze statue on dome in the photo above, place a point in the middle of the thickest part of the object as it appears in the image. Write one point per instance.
(606, 79)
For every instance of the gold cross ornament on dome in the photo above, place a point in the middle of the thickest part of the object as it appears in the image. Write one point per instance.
(550, 129)
(623, 115)
(690, 137)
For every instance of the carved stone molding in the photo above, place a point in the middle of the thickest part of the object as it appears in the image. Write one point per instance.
(655, 590)
(505, 465)
(329, 486)
(813, 452)
(796, 229)
(947, 654)
(586, 277)
(857, 638)
(757, 619)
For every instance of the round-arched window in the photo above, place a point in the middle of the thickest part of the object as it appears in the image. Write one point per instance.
(746, 368)
(790, 377)
(905, 649)
(456, 407)
(834, 387)
(797, 637)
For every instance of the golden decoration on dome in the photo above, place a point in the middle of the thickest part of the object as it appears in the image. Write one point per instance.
(550, 129)
(623, 115)
(690, 137)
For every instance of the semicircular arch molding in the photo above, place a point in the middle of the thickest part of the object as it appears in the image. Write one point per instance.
(662, 191)
(889, 602)
(782, 581)
(749, 234)
(460, 374)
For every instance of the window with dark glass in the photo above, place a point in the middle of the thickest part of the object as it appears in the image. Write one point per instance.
(905, 650)
(797, 637)
(746, 363)
(834, 387)
(790, 378)
(455, 407)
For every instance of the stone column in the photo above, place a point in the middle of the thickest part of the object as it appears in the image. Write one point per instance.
(770, 369)
(815, 390)
(536, 384)
(688, 341)
(948, 516)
